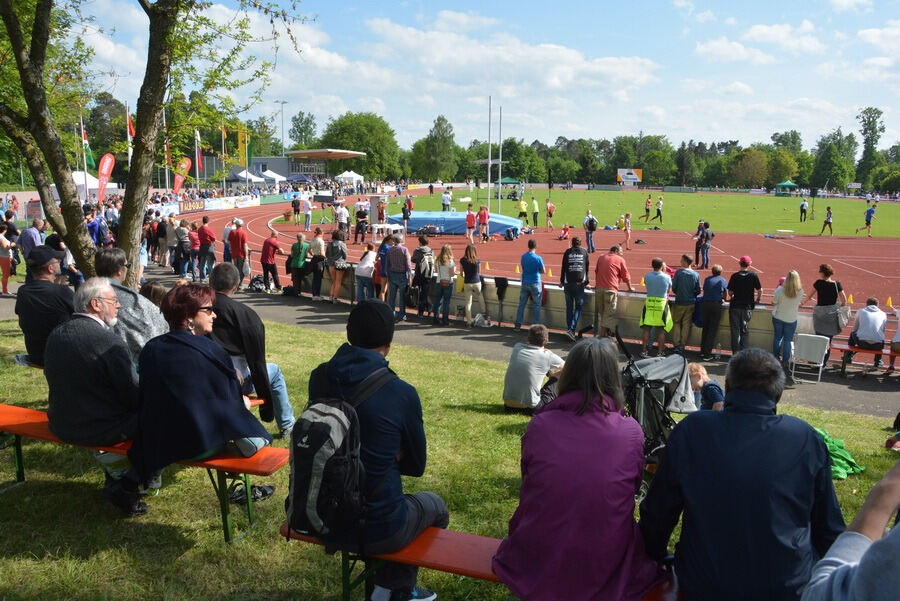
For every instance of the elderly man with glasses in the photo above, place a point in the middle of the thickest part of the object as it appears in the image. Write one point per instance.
(139, 319)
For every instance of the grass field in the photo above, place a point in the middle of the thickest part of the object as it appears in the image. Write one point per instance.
(726, 212)
(62, 541)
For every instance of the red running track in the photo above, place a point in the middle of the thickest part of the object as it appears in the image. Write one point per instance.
(864, 266)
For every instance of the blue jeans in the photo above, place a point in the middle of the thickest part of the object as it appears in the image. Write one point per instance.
(784, 334)
(532, 291)
(192, 263)
(226, 254)
(399, 282)
(443, 303)
(365, 288)
(590, 240)
(704, 256)
(284, 413)
(574, 303)
(307, 220)
(206, 259)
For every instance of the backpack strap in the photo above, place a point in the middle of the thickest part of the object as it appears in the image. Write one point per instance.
(370, 385)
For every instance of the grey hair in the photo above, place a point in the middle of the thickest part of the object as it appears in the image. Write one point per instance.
(91, 289)
(756, 369)
(592, 367)
(224, 277)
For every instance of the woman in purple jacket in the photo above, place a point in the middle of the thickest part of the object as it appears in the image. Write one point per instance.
(574, 535)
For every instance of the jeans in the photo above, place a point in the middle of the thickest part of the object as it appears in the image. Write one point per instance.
(532, 291)
(284, 413)
(424, 302)
(193, 255)
(784, 334)
(318, 268)
(307, 221)
(239, 263)
(270, 269)
(704, 256)
(711, 312)
(739, 318)
(206, 258)
(226, 254)
(399, 281)
(365, 288)
(590, 240)
(574, 303)
(443, 294)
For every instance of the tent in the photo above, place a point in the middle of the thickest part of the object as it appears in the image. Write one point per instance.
(240, 175)
(785, 188)
(299, 178)
(507, 181)
(269, 174)
(93, 184)
(349, 176)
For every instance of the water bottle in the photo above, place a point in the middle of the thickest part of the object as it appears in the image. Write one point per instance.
(718, 354)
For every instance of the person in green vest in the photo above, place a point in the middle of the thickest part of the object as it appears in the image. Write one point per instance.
(656, 312)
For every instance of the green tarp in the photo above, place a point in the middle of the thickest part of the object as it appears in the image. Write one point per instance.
(786, 184)
(508, 181)
(842, 462)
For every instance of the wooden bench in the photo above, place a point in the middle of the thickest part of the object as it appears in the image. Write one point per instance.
(19, 422)
(442, 550)
(846, 350)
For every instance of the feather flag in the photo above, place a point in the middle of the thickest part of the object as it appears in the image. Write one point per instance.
(131, 131)
(198, 152)
(88, 154)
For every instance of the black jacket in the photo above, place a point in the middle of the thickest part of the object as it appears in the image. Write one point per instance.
(755, 495)
(41, 306)
(575, 267)
(240, 331)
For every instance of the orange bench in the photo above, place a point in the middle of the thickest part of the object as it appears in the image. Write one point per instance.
(19, 422)
(445, 551)
(846, 349)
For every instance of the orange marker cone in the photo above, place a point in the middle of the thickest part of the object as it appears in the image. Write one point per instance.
(850, 299)
(890, 303)
(518, 270)
(487, 266)
(549, 273)
(642, 281)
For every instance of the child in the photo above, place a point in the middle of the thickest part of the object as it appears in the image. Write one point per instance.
(564, 235)
(709, 393)
(627, 226)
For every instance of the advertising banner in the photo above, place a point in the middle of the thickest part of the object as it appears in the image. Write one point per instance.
(213, 204)
(191, 206)
(629, 177)
(169, 208)
(242, 202)
(107, 162)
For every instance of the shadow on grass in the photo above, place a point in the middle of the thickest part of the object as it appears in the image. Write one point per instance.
(489, 408)
(516, 429)
(47, 518)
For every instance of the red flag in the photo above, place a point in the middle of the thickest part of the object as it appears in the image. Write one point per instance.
(184, 166)
(107, 162)
(130, 127)
(199, 152)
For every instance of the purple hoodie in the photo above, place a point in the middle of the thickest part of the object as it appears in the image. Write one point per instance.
(574, 535)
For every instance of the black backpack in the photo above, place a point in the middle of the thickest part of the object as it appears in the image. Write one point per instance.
(592, 224)
(327, 475)
(257, 284)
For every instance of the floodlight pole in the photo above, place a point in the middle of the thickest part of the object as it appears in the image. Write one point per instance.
(282, 103)
(489, 157)
(500, 165)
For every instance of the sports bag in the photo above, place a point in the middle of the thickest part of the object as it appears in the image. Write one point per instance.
(327, 476)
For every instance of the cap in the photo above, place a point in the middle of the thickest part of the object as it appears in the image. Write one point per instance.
(371, 324)
(745, 260)
(43, 254)
(238, 221)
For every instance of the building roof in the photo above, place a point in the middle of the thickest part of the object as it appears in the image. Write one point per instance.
(325, 153)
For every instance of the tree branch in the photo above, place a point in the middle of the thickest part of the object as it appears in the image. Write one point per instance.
(40, 34)
(148, 8)
(14, 32)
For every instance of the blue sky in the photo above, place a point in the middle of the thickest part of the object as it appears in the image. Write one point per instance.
(687, 69)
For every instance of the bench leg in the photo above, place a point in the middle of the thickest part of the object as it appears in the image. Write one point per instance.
(250, 512)
(220, 484)
(845, 359)
(366, 577)
(18, 458)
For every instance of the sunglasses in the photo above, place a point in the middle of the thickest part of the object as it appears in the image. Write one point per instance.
(209, 310)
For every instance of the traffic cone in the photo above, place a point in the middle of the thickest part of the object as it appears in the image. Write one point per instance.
(487, 266)
(642, 281)
(850, 300)
(889, 302)
(518, 270)
(549, 273)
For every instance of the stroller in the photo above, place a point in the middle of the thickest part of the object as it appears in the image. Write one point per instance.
(654, 388)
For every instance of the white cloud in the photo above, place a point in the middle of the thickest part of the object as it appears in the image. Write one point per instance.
(845, 5)
(885, 38)
(654, 114)
(730, 21)
(693, 85)
(723, 50)
(737, 88)
(797, 40)
(705, 17)
(685, 5)
(371, 104)
(448, 20)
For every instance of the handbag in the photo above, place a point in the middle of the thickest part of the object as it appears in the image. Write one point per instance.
(843, 312)
(341, 265)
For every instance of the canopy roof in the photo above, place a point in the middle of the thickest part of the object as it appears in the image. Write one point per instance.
(508, 181)
(237, 174)
(78, 178)
(350, 176)
(299, 177)
(269, 174)
(328, 154)
(786, 184)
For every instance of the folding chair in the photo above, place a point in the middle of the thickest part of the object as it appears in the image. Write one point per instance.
(810, 350)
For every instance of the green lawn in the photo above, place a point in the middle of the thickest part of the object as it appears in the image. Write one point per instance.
(62, 541)
(725, 212)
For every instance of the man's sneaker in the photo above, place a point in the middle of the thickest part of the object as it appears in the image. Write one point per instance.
(571, 335)
(416, 593)
(285, 432)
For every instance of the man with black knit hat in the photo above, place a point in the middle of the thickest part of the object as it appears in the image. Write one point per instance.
(392, 444)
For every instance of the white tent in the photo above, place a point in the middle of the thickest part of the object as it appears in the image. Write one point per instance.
(93, 184)
(245, 176)
(269, 174)
(350, 176)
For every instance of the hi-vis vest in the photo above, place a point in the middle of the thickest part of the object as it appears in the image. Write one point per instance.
(656, 313)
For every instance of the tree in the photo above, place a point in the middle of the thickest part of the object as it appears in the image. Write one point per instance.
(563, 169)
(185, 48)
(303, 129)
(749, 168)
(845, 145)
(659, 168)
(832, 168)
(782, 166)
(369, 133)
(871, 126)
(440, 158)
(789, 140)
(687, 167)
(805, 164)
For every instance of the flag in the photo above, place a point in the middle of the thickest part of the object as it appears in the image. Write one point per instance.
(198, 152)
(243, 142)
(88, 155)
(131, 131)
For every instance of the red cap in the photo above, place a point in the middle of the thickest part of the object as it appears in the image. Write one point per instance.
(746, 260)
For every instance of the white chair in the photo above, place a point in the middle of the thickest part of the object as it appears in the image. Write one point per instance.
(809, 350)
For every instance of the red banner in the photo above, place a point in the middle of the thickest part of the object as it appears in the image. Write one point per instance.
(104, 170)
(184, 166)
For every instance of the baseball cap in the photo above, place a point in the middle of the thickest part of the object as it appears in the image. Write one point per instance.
(43, 254)
(746, 260)
(238, 221)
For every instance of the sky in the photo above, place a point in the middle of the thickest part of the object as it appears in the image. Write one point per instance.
(686, 69)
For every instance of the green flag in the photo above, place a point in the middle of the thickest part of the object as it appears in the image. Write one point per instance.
(88, 154)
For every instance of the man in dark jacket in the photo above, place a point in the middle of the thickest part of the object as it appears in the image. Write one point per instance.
(574, 279)
(392, 444)
(240, 330)
(754, 491)
(42, 304)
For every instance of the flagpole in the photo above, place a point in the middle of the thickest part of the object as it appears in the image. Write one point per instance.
(489, 157)
(246, 163)
(166, 130)
(500, 164)
(224, 162)
(197, 158)
(84, 158)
